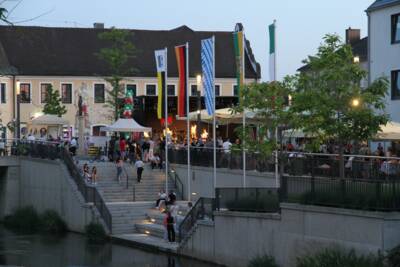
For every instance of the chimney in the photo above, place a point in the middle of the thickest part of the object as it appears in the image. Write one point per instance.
(352, 36)
(98, 25)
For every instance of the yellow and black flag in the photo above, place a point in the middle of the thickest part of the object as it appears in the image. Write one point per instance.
(161, 61)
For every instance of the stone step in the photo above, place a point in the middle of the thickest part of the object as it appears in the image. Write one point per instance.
(156, 230)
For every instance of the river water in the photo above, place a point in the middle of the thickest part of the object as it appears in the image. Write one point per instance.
(72, 250)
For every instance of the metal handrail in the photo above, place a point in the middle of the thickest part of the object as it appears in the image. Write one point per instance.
(177, 181)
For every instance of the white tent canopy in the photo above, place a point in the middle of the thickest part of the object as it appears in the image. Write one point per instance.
(126, 125)
(48, 119)
(390, 131)
(223, 116)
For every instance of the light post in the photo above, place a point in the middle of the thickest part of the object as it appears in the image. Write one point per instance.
(18, 119)
(198, 80)
(355, 102)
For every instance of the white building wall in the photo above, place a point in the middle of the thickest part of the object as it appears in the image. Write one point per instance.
(384, 56)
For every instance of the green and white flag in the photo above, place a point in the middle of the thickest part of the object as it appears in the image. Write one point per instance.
(272, 54)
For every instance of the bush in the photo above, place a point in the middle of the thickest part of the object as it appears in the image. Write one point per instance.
(51, 222)
(24, 220)
(393, 257)
(263, 261)
(339, 258)
(95, 233)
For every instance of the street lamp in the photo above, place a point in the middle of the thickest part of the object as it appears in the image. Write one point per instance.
(198, 80)
(18, 120)
(355, 102)
(356, 59)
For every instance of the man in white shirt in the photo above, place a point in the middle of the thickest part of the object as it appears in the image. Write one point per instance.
(139, 168)
(227, 146)
(72, 146)
(31, 138)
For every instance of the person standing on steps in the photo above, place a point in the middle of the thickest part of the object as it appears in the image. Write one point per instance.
(169, 222)
(119, 163)
(139, 168)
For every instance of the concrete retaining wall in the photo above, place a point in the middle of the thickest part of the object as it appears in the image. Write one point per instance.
(44, 184)
(202, 179)
(235, 238)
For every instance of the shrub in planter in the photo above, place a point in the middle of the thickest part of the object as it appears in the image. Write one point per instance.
(95, 233)
(393, 257)
(263, 261)
(339, 258)
(24, 220)
(51, 222)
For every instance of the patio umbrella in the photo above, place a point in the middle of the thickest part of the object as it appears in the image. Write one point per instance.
(48, 119)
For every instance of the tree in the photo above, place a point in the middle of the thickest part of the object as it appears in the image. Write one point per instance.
(53, 103)
(329, 102)
(116, 55)
(3, 16)
(269, 102)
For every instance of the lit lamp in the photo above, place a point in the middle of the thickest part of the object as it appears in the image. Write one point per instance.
(18, 120)
(355, 102)
(198, 80)
(356, 59)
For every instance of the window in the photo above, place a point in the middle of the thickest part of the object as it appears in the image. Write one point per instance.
(25, 92)
(171, 89)
(3, 93)
(151, 89)
(395, 84)
(396, 28)
(99, 93)
(193, 90)
(66, 93)
(132, 88)
(96, 131)
(235, 90)
(217, 90)
(44, 87)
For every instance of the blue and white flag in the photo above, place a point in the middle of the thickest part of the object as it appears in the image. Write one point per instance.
(207, 66)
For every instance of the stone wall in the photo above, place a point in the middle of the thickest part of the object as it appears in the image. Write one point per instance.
(44, 184)
(235, 238)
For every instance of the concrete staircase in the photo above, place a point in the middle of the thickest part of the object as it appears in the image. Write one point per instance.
(130, 206)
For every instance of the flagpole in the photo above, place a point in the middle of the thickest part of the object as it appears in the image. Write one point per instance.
(244, 115)
(276, 127)
(166, 119)
(214, 123)
(188, 122)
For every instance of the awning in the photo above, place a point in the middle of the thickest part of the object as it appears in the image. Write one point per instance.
(126, 125)
(390, 131)
(48, 119)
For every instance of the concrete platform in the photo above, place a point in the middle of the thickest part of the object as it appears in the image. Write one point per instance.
(146, 241)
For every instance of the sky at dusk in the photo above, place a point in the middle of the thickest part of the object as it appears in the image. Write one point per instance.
(300, 24)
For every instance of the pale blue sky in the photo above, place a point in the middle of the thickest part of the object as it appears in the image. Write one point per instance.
(301, 24)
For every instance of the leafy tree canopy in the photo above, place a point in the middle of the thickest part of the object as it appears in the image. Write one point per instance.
(53, 103)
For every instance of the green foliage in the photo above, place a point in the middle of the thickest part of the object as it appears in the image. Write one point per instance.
(323, 95)
(393, 257)
(51, 222)
(117, 54)
(3, 15)
(263, 261)
(339, 258)
(24, 220)
(95, 233)
(269, 101)
(267, 203)
(53, 104)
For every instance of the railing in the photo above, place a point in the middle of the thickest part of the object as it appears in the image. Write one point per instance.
(247, 199)
(177, 182)
(232, 159)
(370, 182)
(52, 150)
(201, 210)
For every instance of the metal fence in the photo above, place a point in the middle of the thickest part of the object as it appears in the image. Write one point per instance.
(52, 151)
(247, 199)
(232, 159)
(202, 210)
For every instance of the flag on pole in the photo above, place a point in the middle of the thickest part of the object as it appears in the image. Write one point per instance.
(161, 58)
(182, 62)
(207, 66)
(238, 40)
(272, 54)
